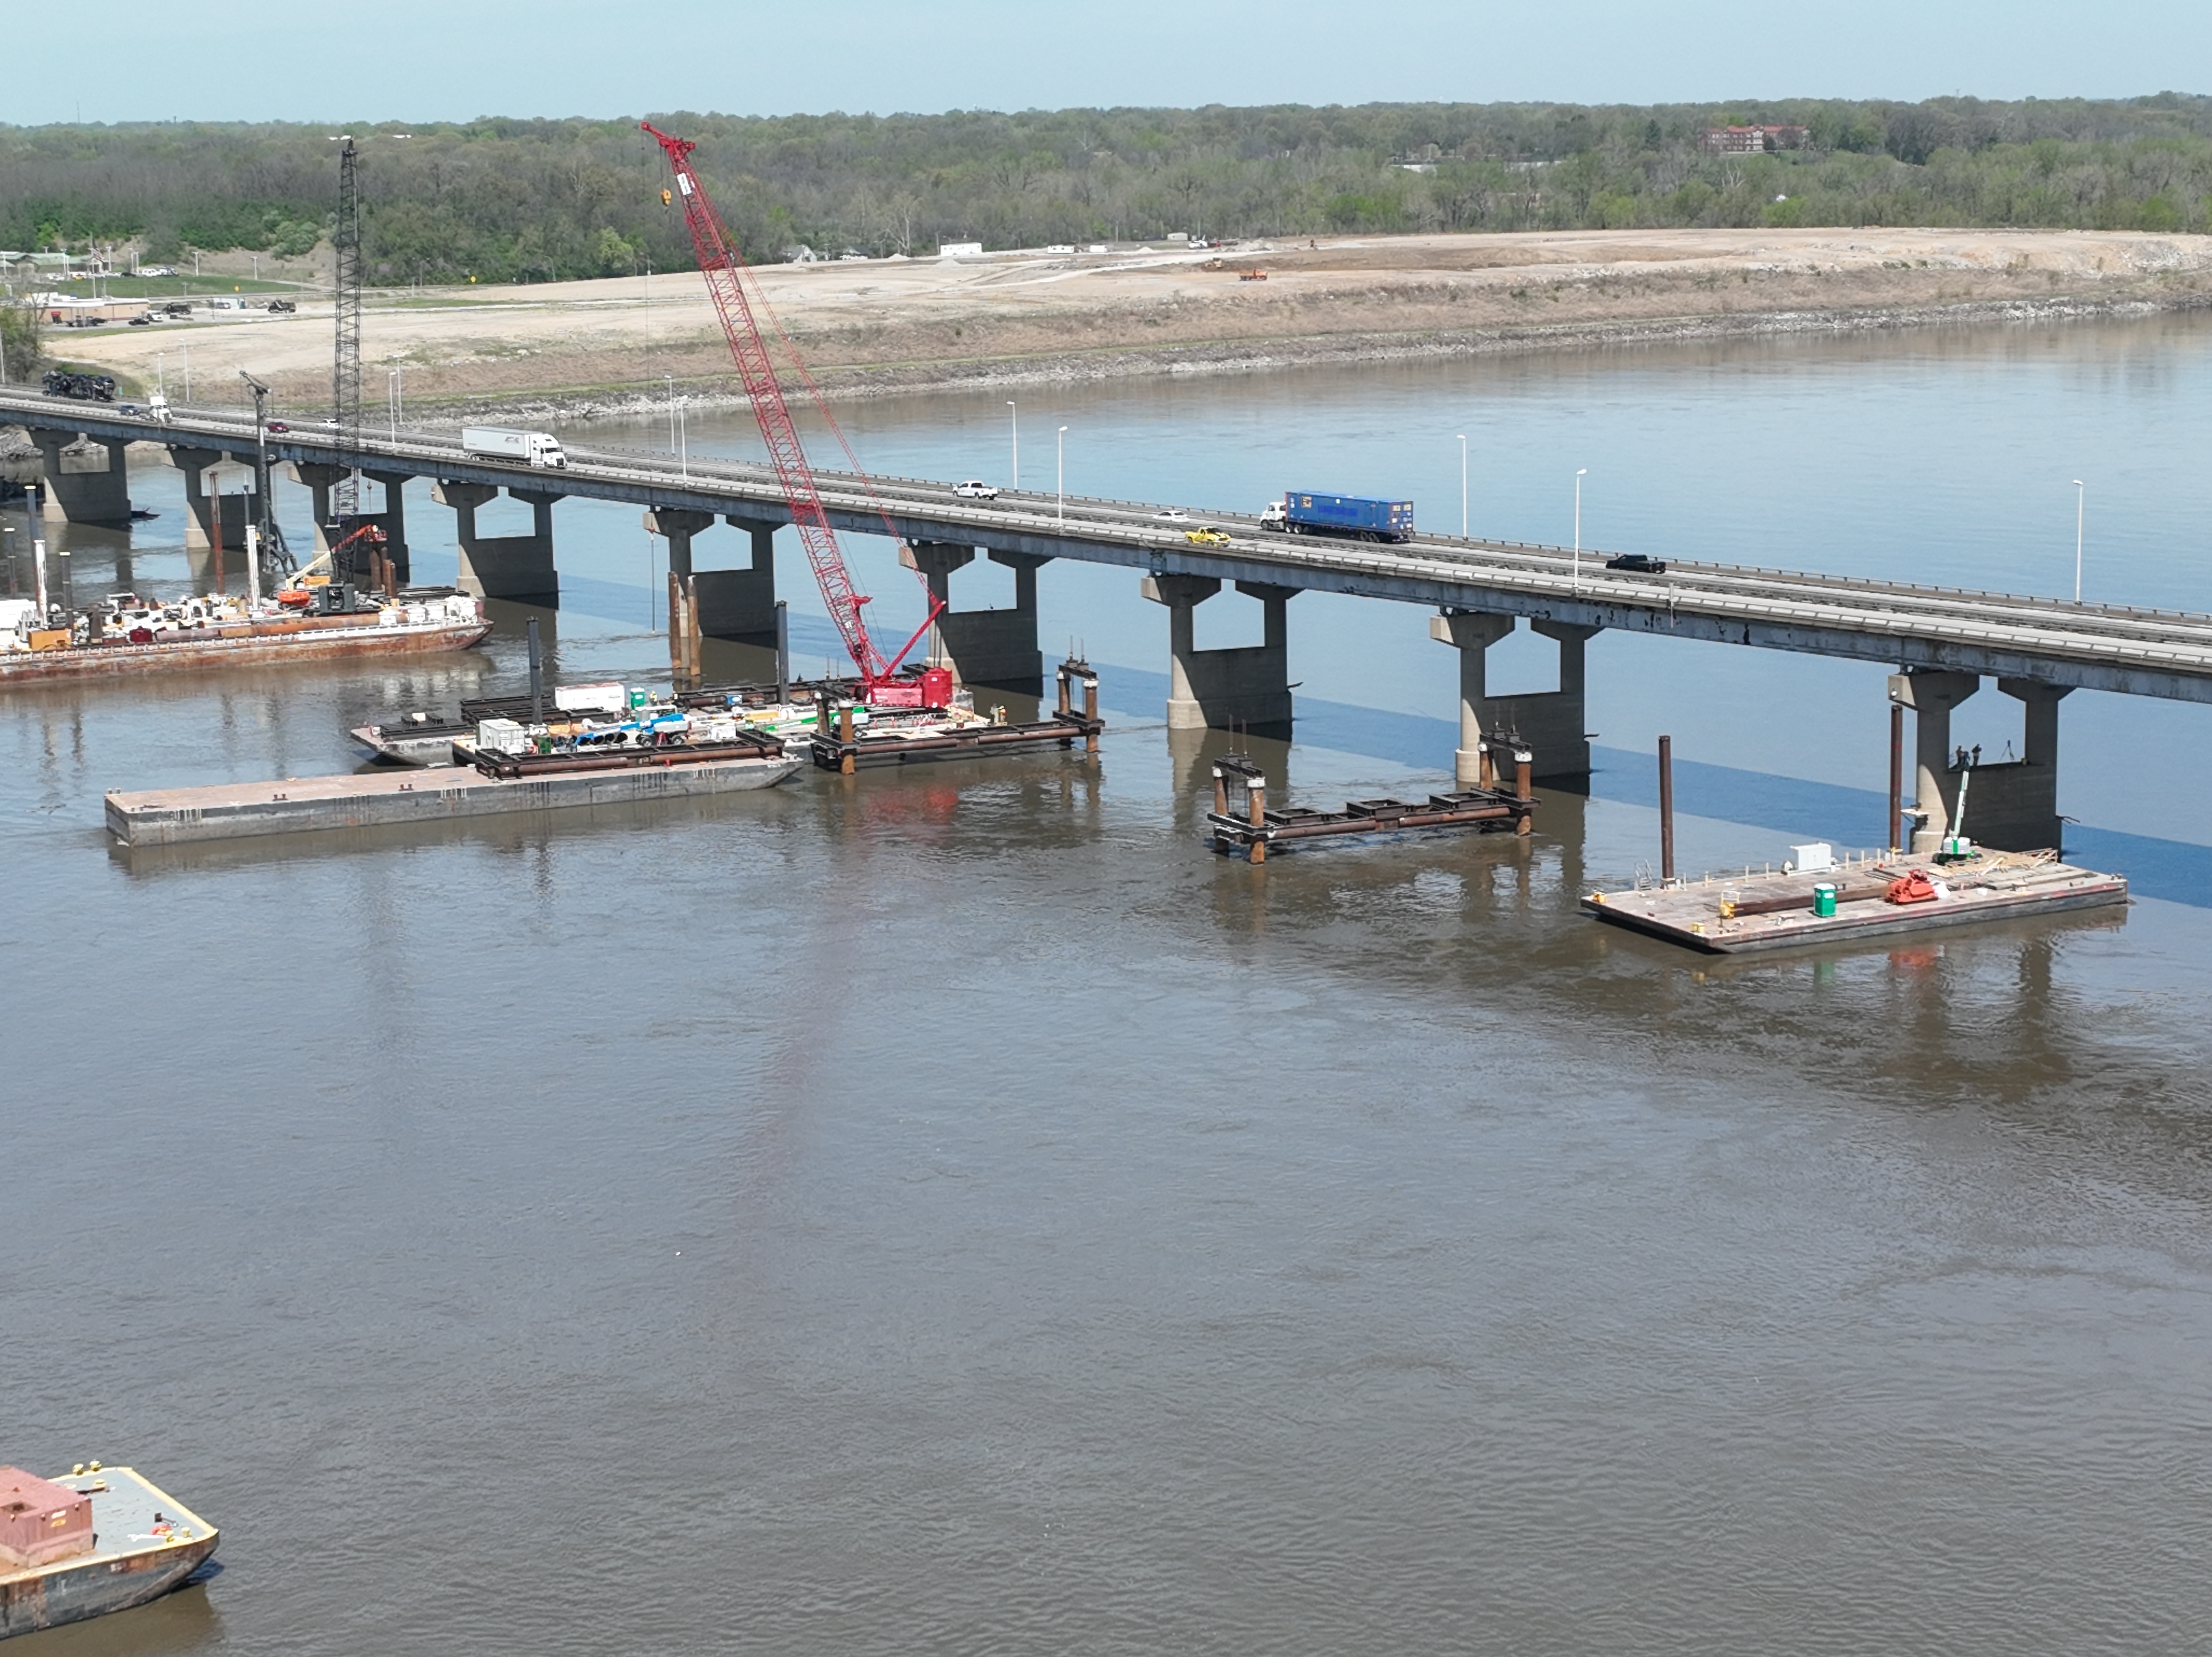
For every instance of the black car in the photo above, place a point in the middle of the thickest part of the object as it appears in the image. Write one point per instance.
(1637, 563)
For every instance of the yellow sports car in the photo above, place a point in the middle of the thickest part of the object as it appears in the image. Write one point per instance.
(1207, 537)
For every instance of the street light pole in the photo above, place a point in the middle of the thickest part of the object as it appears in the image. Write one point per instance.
(1462, 486)
(1060, 484)
(1015, 416)
(2080, 497)
(671, 379)
(683, 436)
(1578, 527)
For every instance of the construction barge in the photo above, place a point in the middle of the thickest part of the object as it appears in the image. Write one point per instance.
(500, 782)
(90, 1542)
(1863, 898)
(1243, 825)
(838, 743)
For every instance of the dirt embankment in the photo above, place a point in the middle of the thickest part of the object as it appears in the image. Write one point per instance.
(883, 326)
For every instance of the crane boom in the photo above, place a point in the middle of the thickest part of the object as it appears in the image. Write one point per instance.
(727, 275)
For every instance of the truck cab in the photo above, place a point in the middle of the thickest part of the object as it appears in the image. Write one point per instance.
(1275, 516)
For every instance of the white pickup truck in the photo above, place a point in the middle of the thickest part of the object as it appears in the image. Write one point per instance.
(507, 443)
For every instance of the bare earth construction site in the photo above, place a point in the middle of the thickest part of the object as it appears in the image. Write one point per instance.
(877, 325)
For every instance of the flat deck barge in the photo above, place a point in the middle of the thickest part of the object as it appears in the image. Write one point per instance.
(177, 816)
(1730, 914)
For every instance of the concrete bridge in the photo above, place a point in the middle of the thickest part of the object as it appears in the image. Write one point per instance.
(1943, 641)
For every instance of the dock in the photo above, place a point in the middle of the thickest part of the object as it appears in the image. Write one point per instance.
(1878, 897)
(177, 816)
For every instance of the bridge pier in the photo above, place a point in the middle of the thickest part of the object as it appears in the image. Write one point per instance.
(516, 566)
(1553, 724)
(86, 480)
(2012, 805)
(1245, 688)
(320, 477)
(393, 521)
(995, 647)
(740, 603)
(200, 507)
(1931, 693)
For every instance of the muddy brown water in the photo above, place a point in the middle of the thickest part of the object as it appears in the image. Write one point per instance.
(949, 1210)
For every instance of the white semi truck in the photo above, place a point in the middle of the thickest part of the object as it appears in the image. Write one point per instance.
(506, 443)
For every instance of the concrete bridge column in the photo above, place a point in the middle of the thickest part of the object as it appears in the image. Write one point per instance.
(85, 481)
(517, 567)
(393, 521)
(200, 506)
(1551, 724)
(1931, 693)
(679, 526)
(2013, 805)
(995, 647)
(320, 478)
(935, 560)
(739, 603)
(1247, 687)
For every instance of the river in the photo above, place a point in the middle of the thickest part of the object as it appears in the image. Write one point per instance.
(951, 1212)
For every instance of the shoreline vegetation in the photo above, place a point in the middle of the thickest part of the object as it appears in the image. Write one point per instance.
(623, 346)
(500, 201)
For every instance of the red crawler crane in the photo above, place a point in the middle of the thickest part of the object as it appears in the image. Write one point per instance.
(728, 279)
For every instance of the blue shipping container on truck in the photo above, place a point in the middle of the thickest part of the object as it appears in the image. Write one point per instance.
(1348, 514)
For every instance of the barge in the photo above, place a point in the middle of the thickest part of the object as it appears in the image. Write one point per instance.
(1871, 897)
(93, 1541)
(498, 783)
(1243, 825)
(839, 742)
(130, 635)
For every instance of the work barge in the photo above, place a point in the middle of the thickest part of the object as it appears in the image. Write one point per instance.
(1875, 896)
(497, 785)
(1243, 825)
(532, 754)
(839, 745)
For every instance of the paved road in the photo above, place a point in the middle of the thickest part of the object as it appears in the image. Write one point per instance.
(2098, 647)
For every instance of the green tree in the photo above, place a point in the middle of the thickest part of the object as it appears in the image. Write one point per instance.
(22, 341)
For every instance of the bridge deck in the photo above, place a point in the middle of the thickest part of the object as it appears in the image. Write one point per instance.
(2108, 647)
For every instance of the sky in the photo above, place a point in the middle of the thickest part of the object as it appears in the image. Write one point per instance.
(425, 60)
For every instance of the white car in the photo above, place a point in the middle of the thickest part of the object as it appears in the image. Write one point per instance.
(975, 489)
(1172, 515)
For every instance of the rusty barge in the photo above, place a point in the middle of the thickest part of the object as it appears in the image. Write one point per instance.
(1243, 825)
(133, 638)
(90, 1542)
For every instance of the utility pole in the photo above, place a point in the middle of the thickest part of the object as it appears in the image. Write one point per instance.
(345, 371)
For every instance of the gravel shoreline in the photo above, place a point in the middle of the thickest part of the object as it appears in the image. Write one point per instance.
(858, 382)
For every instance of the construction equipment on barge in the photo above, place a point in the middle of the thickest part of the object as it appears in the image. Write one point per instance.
(1242, 824)
(310, 618)
(787, 711)
(92, 1541)
(841, 743)
(740, 304)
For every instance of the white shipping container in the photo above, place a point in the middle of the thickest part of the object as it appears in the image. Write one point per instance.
(608, 698)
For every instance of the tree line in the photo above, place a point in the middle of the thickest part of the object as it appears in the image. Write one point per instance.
(542, 200)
